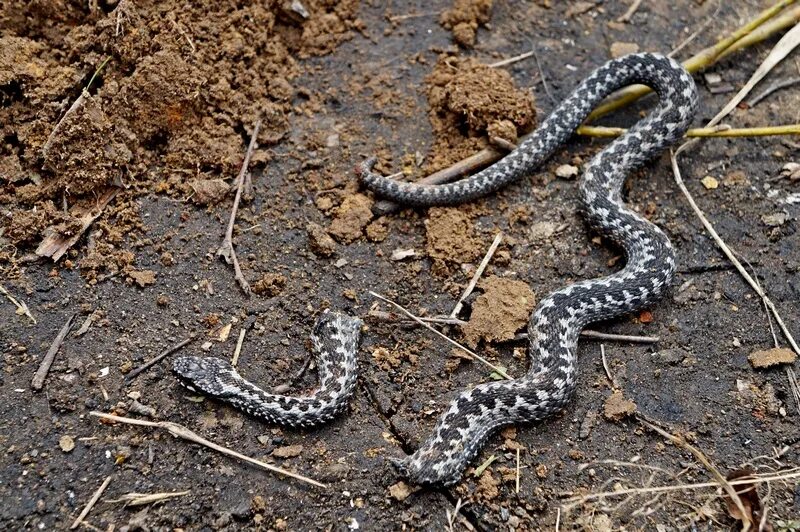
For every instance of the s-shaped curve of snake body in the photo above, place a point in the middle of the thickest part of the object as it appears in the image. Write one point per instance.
(558, 319)
(334, 341)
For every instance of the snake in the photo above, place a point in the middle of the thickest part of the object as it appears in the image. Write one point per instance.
(553, 329)
(334, 341)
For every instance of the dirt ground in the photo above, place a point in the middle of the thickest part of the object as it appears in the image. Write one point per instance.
(159, 136)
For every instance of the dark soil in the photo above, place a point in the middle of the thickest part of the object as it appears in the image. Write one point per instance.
(165, 123)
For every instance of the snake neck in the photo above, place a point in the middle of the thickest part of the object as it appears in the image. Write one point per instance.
(674, 86)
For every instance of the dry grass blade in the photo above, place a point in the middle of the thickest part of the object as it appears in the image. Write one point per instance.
(22, 308)
(787, 43)
(182, 432)
(703, 459)
(140, 499)
(474, 281)
(500, 371)
(729, 253)
(91, 503)
(780, 476)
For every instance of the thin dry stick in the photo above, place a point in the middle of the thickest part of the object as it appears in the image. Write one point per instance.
(474, 281)
(516, 490)
(605, 366)
(785, 45)
(22, 308)
(37, 383)
(696, 32)
(79, 101)
(238, 350)
(500, 371)
(794, 387)
(682, 487)
(226, 250)
(787, 19)
(715, 131)
(91, 503)
(595, 335)
(728, 253)
(135, 373)
(778, 85)
(140, 499)
(586, 333)
(631, 10)
(511, 60)
(620, 337)
(723, 482)
(182, 432)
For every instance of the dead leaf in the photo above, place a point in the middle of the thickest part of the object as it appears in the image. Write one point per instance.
(751, 503)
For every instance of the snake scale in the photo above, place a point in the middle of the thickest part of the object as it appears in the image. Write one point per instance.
(473, 415)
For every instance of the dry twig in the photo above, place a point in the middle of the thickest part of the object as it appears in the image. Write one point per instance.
(778, 85)
(728, 253)
(37, 383)
(756, 479)
(699, 61)
(238, 350)
(135, 373)
(91, 503)
(631, 10)
(474, 281)
(500, 371)
(182, 432)
(703, 459)
(140, 499)
(226, 250)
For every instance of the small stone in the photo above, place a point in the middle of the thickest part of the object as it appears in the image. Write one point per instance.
(618, 49)
(673, 357)
(320, 241)
(209, 191)
(775, 220)
(143, 278)
(400, 254)
(772, 357)
(289, 451)
(617, 407)
(567, 171)
(400, 491)
(710, 182)
(66, 443)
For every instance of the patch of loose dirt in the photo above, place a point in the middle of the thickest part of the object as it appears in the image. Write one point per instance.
(183, 84)
(464, 18)
(503, 309)
(351, 217)
(451, 236)
(467, 99)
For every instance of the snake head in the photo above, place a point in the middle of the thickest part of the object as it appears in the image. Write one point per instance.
(206, 375)
(344, 328)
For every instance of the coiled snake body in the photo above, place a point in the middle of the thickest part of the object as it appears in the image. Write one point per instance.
(555, 324)
(558, 319)
(334, 341)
